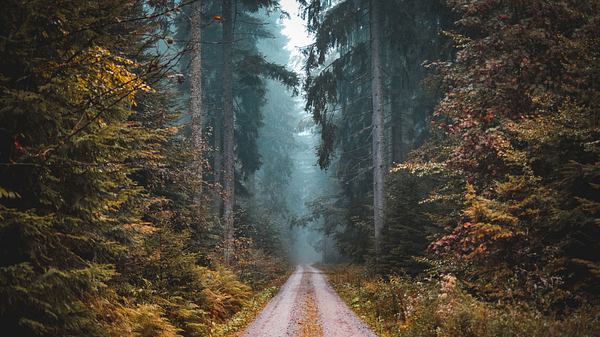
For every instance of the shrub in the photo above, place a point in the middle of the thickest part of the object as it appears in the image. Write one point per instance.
(409, 307)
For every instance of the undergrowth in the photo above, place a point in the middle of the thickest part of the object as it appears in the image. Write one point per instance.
(234, 326)
(405, 307)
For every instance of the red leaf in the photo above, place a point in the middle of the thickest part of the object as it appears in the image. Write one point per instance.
(18, 146)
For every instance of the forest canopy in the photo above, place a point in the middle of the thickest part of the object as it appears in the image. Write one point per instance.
(164, 164)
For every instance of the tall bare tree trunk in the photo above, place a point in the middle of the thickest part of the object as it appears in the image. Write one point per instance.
(218, 168)
(228, 130)
(378, 125)
(196, 93)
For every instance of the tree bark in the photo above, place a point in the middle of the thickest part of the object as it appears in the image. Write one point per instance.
(378, 125)
(196, 116)
(228, 131)
(218, 168)
(218, 164)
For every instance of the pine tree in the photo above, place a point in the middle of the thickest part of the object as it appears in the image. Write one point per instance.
(197, 117)
(357, 60)
(246, 67)
(378, 125)
(228, 131)
(67, 90)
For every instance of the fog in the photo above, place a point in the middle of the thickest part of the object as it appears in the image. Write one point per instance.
(287, 125)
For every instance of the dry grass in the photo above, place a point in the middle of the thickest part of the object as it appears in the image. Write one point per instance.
(405, 307)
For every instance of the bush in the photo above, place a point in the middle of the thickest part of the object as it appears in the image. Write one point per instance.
(407, 307)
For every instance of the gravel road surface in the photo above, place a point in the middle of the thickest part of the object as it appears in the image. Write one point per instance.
(286, 313)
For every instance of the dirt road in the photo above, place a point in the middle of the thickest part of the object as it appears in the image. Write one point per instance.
(307, 306)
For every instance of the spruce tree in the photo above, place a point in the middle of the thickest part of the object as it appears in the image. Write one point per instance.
(67, 92)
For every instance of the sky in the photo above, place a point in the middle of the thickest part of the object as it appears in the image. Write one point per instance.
(295, 30)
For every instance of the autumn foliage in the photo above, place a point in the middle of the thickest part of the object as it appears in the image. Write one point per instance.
(516, 137)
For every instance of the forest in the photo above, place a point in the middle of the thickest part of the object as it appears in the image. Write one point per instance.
(311, 168)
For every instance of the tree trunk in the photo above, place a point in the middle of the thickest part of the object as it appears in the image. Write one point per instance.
(218, 165)
(228, 131)
(378, 125)
(196, 95)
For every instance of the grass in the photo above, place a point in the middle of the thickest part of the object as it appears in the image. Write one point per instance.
(405, 307)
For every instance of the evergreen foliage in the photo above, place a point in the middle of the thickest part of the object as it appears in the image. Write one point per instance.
(67, 93)
(502, 189)
(101, 232)
(338, 94)
(503, 186)
(493, 164)
(521, 131)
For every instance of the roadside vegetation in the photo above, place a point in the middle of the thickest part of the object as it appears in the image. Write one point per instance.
(441, 305)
